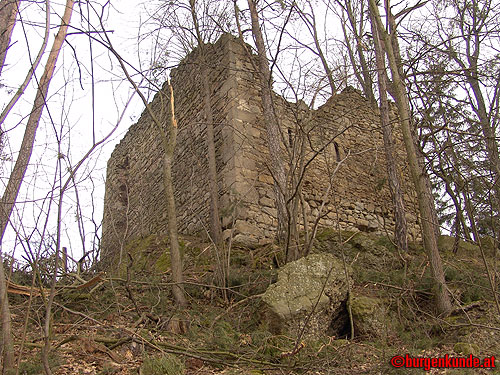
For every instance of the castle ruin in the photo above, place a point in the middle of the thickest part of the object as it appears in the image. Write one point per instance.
(344, 136)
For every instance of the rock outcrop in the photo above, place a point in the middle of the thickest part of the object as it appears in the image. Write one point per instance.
(310, 292)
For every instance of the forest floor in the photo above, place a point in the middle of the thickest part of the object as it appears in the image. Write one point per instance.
(126, 322)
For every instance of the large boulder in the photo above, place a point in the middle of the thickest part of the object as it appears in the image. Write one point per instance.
(368, 315)
(310, 292)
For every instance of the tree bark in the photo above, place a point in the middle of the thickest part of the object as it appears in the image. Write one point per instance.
(8, 14)
(7, 345)
(488, 133)
(311, 26)
(473, 32)
(169, 142)
(272, 126)
(424, 195)
(16, 178)
(401, 228)
(215, 224)
(364, 79)
(167, 131)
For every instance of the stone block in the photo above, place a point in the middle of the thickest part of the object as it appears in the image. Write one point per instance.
(266, 202)
(244, 227)
(273, 212)
(311, 289)
(266, 179)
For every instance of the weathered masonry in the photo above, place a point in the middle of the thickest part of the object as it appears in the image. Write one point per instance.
(344, 133)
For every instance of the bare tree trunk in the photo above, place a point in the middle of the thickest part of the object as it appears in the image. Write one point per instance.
(8, 13)
(7, 345)
(272, 126)
(401, 229)
(479, 15)
(443, 302)
(167, 130)
(16, 178)
(312, 27)
(364, 79)
(488, 133)
(215, 224)
(392, 37)
(169, 141)
(461, 188)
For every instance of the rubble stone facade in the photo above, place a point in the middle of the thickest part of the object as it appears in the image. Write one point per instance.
(343, 150)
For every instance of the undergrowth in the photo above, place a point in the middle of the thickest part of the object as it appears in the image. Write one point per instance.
(214, 332)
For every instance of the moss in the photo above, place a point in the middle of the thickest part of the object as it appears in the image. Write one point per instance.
(322, 348)
(109, 368)
(168, 364)
(368, 316)
(326, 234)
(270, 345)
(163, 263)
(385, 242)
(466, 349)
(446, 244)
(34, 365)
(340, 342)
(474, 293)
(488, 244)
(363, 307)
(224, 336)
(148, 253)
(76, 295)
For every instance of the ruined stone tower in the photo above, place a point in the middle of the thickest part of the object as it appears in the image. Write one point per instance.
(344, 148)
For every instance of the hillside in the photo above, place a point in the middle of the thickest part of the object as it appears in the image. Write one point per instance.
(128, 323)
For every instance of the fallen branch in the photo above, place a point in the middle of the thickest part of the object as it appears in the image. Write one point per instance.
(14, 288)
(23, 290)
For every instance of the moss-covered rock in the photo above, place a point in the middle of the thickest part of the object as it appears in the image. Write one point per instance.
(368, 316)
(312, 289)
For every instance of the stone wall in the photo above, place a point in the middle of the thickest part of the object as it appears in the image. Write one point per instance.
(344, 146)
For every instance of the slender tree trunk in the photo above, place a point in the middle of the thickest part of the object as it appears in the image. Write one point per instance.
(215, 224)
(319, 50)
(8, 14)
(7, 345)
(489, 136)
(401, 229)
(392, 38)
(443, 302)
(167, 131)
(213, 188)
(272, 126)
(169, 142)
(16, 178)
(461, 186)
(364, 79)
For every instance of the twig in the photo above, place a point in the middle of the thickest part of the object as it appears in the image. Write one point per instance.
(400, 288)
(232, 307)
